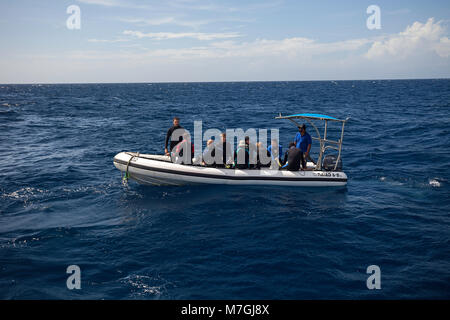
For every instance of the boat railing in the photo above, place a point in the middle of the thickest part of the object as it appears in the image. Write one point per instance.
(323, 141)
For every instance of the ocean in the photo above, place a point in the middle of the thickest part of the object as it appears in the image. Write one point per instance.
(63, 203)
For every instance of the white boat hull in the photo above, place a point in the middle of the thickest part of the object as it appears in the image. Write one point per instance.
(158, 170)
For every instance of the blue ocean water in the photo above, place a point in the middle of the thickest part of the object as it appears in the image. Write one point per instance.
(62, 201)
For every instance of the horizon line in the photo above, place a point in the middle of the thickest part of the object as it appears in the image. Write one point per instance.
(225, 81)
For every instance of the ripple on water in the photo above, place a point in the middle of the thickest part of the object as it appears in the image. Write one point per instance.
(143, 286)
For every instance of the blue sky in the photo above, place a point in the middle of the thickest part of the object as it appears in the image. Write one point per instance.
(195, 40)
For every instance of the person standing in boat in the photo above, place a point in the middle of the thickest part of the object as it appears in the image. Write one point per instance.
(176, 131)
(303, 142)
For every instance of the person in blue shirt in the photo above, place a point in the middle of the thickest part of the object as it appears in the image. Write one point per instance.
(303, 142)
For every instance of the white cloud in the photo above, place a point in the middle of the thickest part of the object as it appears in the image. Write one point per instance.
(203, 5)
(443, 47)
(422, 50)
(106, 3)
(290, 48)
(150, 22)
(398, 12)
(166, 20)
(419, 38)
(107, 40)
(114, 3)
(191, 5)
(171, 20)
(178, 35)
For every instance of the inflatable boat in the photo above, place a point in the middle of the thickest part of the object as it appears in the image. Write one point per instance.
(160, 170)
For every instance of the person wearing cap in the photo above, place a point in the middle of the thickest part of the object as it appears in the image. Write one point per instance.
(303, 142)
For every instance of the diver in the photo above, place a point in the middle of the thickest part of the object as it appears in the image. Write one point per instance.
(242, 156)
(303, 142)
(252, 149)
(275, 151)
(293, 158)
(178, 131)
(263, 156)
(207, 157)
(224, 152)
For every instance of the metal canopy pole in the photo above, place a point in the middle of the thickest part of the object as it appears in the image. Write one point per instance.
(340, 144)
(323, 141)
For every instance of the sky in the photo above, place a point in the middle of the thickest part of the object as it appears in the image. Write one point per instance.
(211, 40)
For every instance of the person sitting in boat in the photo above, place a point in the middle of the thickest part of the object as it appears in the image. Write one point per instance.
(258, 163)
(263, 159)
(293, 158)
(252, 151)
(303, 142)
(207, 153)
(183, 151)
(242, 156)
(275, 151)
(223, 151)
(177, 132)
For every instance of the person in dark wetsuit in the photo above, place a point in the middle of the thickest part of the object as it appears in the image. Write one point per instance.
(293, 158)
(223, 148)
(173, 143)
(260, 161)
(242, 156)
(206, 156)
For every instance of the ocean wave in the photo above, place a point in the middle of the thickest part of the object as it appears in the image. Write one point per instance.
(413, 182)
(145, 286)
(435, 183)
(24, 194)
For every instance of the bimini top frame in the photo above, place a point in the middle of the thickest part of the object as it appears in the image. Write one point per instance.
(324, 142)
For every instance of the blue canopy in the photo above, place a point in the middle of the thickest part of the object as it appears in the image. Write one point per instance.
(309, 115)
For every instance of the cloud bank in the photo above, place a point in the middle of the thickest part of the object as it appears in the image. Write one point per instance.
(421, 50)
(419, 38)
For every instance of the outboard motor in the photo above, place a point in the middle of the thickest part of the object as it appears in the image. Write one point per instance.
(330, 161)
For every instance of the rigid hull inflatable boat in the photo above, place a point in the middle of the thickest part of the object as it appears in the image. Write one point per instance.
(160, 170)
